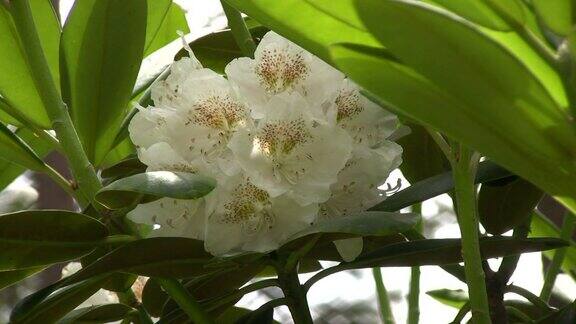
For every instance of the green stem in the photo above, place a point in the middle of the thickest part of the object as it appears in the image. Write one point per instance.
(566, 231)
(383, 300)
(464, 166)
(295, 294)
(186, 301)
(57, 111)
(509, 263)
(128, 298)
(239, 30)
(414, 292)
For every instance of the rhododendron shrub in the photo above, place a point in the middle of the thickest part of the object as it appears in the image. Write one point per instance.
(205, 168)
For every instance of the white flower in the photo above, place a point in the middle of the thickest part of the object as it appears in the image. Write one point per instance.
(367, 123)
(282, 66)
(247, 218)
(357, 189)
(290, 152)
(172, 217)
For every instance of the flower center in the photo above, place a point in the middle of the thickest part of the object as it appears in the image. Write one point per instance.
(283, 136)
(249, 207)
(348, 104)
(279, 70)
(218, 112)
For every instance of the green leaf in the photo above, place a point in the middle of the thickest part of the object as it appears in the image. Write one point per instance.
(165, 19)
(437, 185)
(161, 256)
(153, 185)
(15, 150)
(218, 49)
(300, 21)
(566, 315)
(98, 314)
(495, 106)
(49, 309)
(8, 278)
(343, 10)
(557, 15)
(101, 53)
(421, 157)
(503, 205)
(154, 297)
(542, 226)
(16, 83)
(453, 298)
(370, 223)
(257, 317)
(37, 238)
(124, 168)
(480, 13)
(10, 171)
(448, 251)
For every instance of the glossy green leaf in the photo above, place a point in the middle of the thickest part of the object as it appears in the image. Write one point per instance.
(15, 150)
(161, 257)
(453, 298)
(524, 141)
(218, 49)
(421, 157)
(529, 130)
(101, 53)
(49, 309)
(98, 314)
(448, 251)
(165, 19)
(503, 205)
(370, 223)
(153, 185)
(557, 15)
(8, 278)
(542, 226)
(10, 171)
(35, 238)
(16, 83)
(343, 10)
(479, 12)
(437, 185)
(300, 21)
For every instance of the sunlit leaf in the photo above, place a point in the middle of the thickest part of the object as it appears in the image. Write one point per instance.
(558, 15)
(16, 83)
(165, 19)
(300, 21)
(101, 53)
(154, 185)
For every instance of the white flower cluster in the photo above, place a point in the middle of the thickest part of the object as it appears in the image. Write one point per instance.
(288, 138)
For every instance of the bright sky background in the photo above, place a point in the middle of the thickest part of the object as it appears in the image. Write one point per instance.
(205, 16)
